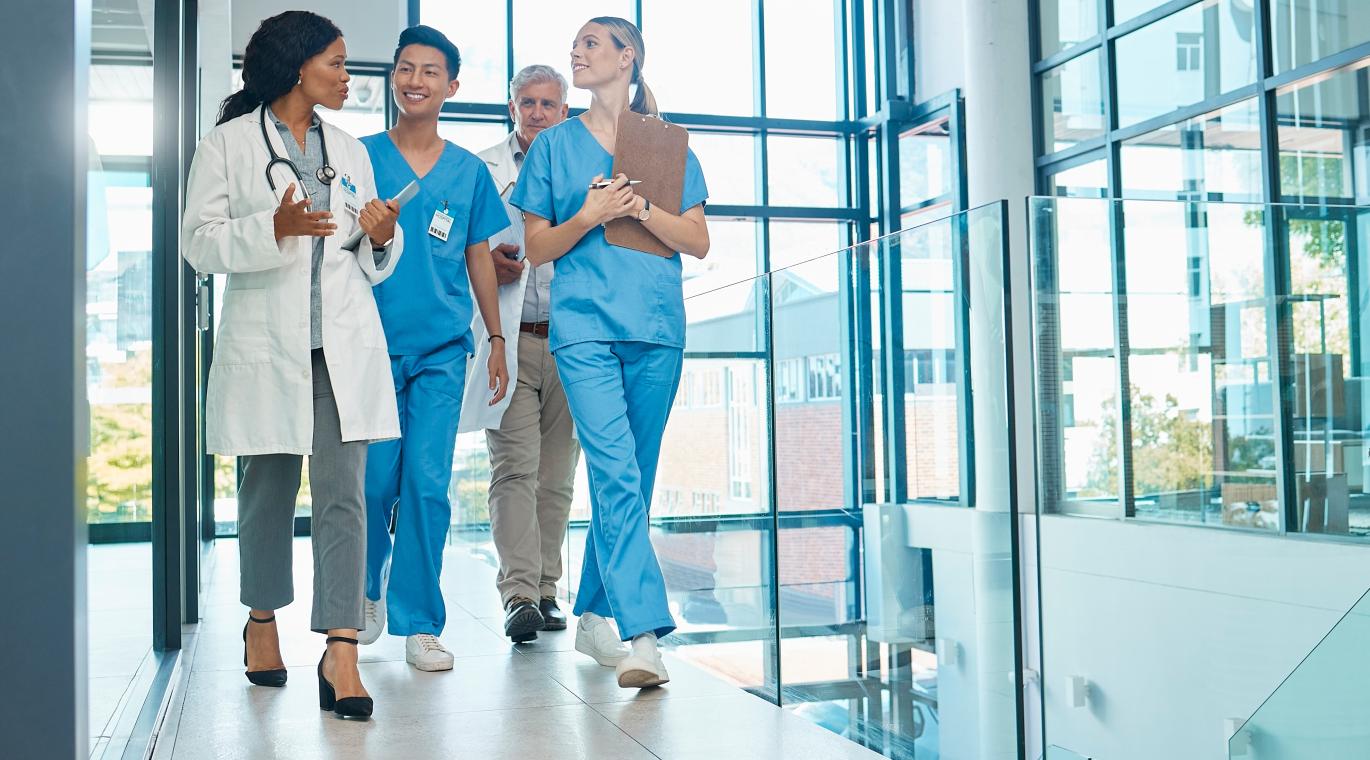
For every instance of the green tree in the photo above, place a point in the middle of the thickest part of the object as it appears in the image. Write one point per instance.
(1171, 450)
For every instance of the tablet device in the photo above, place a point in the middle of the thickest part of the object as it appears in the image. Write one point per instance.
(407, 194)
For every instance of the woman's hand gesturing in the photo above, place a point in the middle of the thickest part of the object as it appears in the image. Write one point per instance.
(295, 219)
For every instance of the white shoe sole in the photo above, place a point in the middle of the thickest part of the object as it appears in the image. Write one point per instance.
(606, 661)
(367, 635)
(430, 667)
(641, 679)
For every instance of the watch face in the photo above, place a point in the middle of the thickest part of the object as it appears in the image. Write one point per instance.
(644, 214)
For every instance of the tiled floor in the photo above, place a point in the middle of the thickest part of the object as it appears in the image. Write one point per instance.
(537, 700)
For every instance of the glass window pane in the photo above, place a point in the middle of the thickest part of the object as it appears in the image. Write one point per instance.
(679, 76)
(1202, 415)
(1124, 10)
(801, 59)
(925, 162)
(1322, 158)
(120, 116)
(1066, 22)
(803, 171)
(729, 164)
(474, 136)
(545, 30)
(1217, 153)
(1310, 30)
(1072, 103)
(795, 242)
(480, 32)
(364, 112)
(1199, 52)
(1088, 180)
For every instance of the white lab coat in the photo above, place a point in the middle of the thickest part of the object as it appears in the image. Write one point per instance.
(260, 395)
(476, 412)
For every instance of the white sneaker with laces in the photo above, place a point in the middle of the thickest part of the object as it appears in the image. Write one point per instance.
(643, 667)
(426, 653)
(374, 617)
(595, 637)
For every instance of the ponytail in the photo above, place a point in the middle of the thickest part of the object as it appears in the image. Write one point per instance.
(236, 105)
(644, 102)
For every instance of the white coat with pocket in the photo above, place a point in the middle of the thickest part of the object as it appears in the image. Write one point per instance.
(260, 396)
(476, 411)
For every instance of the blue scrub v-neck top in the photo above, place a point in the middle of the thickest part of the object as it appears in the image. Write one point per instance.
(601, 292)
(426, 304)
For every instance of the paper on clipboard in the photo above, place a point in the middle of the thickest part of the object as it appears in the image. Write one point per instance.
(653, 151)
(514, 232)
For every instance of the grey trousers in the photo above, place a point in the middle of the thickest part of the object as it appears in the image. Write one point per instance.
(266, 518)
(533, 458)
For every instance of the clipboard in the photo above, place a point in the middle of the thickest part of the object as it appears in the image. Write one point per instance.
(651, 150)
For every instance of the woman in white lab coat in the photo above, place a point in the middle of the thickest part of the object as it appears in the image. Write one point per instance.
(300, 363)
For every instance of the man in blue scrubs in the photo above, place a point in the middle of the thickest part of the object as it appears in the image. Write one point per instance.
(426, 310)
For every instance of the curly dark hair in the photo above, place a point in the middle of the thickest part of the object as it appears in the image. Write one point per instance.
(274, 55)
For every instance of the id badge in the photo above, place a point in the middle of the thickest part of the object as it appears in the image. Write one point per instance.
(349, 195)
(441, 226)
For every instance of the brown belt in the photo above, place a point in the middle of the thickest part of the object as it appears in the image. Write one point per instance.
(538, 329)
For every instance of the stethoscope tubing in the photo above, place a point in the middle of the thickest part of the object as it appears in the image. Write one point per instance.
(325, 174)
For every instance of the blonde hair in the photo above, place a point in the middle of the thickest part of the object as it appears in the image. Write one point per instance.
(626, 34)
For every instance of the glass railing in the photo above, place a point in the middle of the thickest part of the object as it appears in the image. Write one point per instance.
(1204, 362)
(832, 506)
(1203, 383)
(1319, 712)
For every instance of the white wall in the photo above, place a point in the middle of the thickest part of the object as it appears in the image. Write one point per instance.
(1178, 628)
(370, 28)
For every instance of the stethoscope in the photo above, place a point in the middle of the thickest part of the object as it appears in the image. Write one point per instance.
(326, 174)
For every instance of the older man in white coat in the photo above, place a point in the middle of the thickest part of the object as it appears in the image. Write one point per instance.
(533, 450)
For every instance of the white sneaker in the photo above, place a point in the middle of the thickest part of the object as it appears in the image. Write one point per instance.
(643, 667)
(374, 618)
(595, 637)
(426, 653)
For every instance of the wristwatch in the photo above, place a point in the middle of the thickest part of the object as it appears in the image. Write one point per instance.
(646, 212)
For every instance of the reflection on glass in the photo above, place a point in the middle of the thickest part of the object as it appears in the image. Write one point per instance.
(1072, 103)
(1066, 22)
(1321, 159)
(474, 136)
(932, 426)
(479, 30)
(1309, 30)
(1216, 156)
(1202, 414)
(545, 30)
(1088, 180)
(1079, 399)
(802, 65)
(710, 507)
(1197, 53)
(803, 171)
(118, 360)
(925, 162)
(675, 31)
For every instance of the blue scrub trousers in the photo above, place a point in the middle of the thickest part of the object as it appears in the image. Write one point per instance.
(413, 474)
(620, 395)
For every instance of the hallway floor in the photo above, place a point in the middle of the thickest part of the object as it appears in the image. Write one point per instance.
(537, 700)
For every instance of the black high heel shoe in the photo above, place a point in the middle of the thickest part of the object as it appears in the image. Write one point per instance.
(274, 677)
(347, 707)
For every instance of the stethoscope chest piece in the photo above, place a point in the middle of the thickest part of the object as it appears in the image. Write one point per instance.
(326, 174)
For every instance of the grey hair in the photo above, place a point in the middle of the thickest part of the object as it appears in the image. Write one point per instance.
(534, 74)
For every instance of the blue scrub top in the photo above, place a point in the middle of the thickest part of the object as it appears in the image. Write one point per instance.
(601, 292)
(426, 303)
